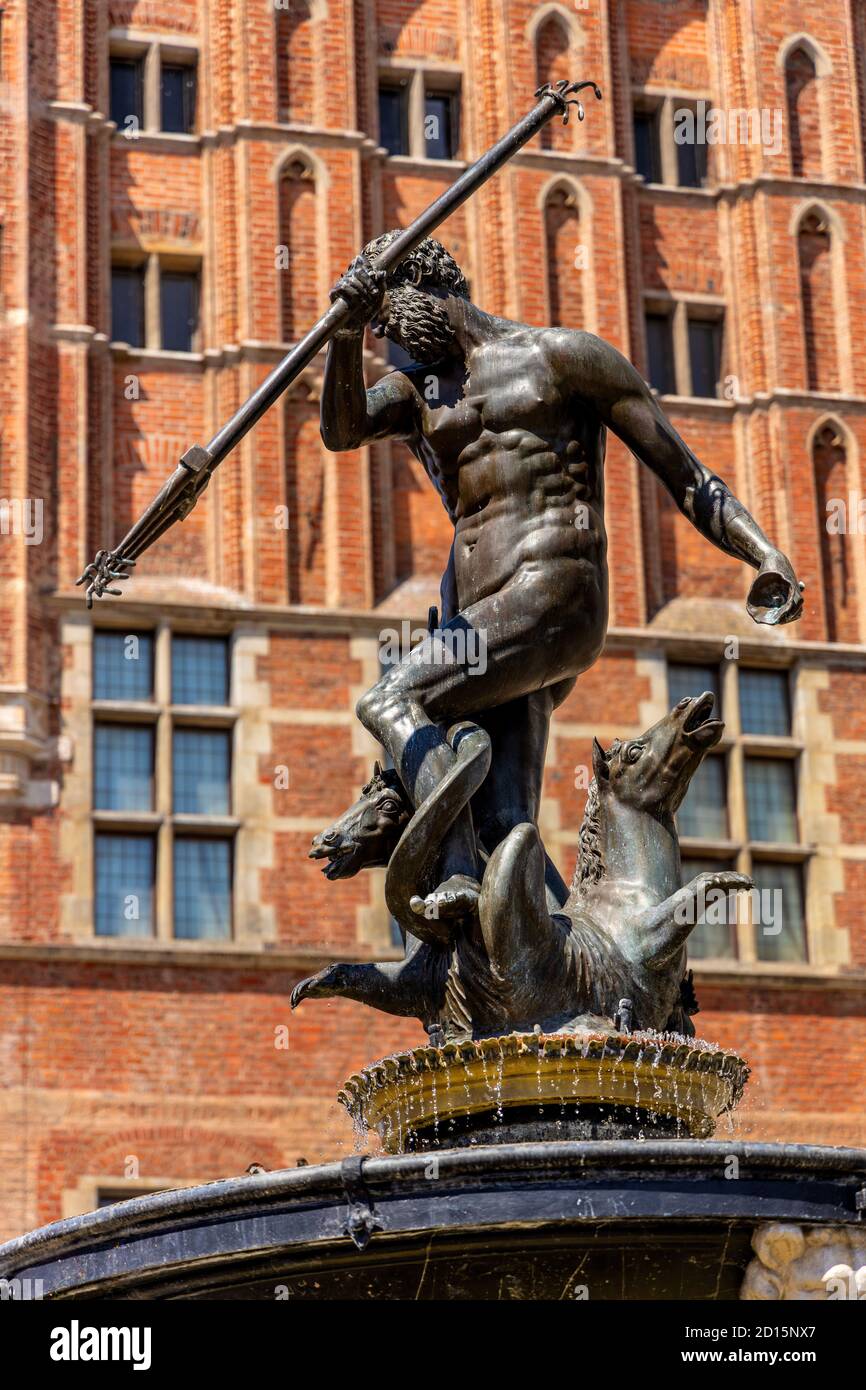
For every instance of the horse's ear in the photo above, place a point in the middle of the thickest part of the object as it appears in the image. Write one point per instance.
(599, 762)
(377, 771)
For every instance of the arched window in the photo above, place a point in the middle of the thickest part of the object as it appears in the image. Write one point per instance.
(305, 498)
(551, 64)
(815, 257)
(830, 464)
(566, 257)
(804, 114)
(297, 252)
(295, 61)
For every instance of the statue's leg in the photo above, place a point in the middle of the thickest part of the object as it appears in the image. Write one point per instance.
(394, 712)
(494, 652)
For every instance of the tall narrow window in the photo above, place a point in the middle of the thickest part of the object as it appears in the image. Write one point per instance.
(771, 800)
(704, 813)
(765, 703)
(692, 151)
(126, 93)
(440, 124)
(299, 271)
(552, 63)
(814, 249)
(780, 932)
(199, 670)
(660, 353)
(123, 767)
(179, 299)
(201, 772)
(127, 304)
(832, 494)
(714, 937)
(125, 875)
(804, 114)
(565, 267)
(647, 144)
(122, 666)
(394, 117)
(178, 98)
(705, 355)
(202, 888)
(296, 60)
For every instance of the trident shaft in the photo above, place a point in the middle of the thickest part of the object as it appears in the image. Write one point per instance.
(179, 494)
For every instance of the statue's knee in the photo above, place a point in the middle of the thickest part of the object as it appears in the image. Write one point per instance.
(372, 709)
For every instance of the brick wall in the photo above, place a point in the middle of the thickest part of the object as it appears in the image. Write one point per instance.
(167, 1054)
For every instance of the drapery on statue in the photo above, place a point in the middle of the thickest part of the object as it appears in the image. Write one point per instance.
(510, 424)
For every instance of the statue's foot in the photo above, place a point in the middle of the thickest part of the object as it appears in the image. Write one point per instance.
(456, 897)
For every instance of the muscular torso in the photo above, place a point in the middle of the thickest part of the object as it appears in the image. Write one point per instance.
(518, 462)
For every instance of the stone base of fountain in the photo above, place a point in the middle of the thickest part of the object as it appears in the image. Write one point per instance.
(619, 1220)
(525, 1086)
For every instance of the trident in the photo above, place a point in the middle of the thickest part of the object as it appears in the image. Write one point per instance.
(179, 494)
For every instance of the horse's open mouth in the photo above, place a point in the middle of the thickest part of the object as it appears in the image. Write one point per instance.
(340, 859)
(698, 731)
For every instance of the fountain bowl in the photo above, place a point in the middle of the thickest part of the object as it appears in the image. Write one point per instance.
(620, 1220)
(528, 1086)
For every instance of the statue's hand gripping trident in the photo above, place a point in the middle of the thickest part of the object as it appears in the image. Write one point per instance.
(181, 491)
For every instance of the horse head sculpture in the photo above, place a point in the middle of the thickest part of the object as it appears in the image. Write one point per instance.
(366, 835)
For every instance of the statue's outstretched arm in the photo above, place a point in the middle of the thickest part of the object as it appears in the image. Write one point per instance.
(627, 405)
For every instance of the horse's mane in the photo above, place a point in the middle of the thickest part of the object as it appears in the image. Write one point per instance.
(590, 866)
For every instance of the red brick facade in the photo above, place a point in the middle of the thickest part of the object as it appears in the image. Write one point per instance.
(129, 1059)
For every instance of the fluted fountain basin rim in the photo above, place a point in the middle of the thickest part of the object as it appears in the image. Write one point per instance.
(659, 1075)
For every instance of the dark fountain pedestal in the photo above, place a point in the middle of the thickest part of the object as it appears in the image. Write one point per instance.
(552, 1217)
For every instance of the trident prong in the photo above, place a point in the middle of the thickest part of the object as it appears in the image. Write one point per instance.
(107, 565)
(564, 91)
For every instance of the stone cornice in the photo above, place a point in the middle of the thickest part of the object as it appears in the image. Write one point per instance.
(369, 623)
(184, 955)
(210, 956)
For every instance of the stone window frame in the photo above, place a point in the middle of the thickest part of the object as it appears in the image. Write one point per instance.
(680, 308)
(420, 76)
(154, 51)
(738, 850)
(162, 822)
(84, 1197)
(154, 263)
(823, 73)
(662, 104)
(839, 253)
